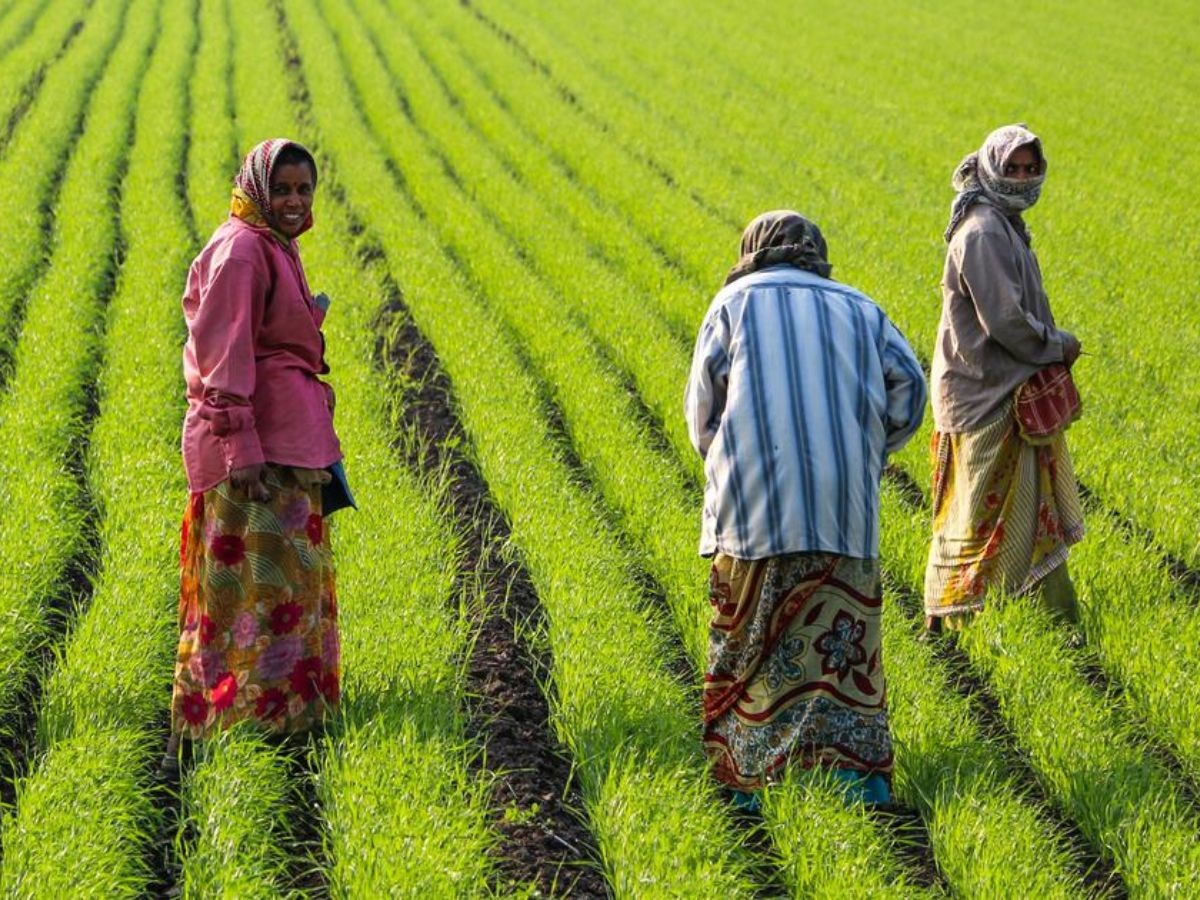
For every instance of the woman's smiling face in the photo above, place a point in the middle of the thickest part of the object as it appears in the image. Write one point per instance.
(292, 188)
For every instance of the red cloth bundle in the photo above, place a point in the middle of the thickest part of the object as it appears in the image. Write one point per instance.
(1046, 404)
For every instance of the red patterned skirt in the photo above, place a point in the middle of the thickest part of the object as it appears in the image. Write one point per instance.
(795, 671)
(257, 611)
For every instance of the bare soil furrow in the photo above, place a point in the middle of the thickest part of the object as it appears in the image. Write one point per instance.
(536, 804)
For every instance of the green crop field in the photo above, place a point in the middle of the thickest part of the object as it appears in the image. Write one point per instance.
(524, 210)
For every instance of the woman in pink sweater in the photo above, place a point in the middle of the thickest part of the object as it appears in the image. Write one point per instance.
(257, 612)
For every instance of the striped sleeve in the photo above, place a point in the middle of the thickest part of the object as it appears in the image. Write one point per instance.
(707, 387)
(905, 383)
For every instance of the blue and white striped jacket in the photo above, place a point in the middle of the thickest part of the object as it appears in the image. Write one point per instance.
(799, 389)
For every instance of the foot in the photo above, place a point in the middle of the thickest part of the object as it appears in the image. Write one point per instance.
(745, 801)
(168, 767)
(933, 627)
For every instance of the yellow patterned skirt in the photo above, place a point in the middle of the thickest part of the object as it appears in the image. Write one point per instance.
(1005, 513)
(257, 612)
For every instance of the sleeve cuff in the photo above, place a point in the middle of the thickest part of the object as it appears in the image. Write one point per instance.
(1055, 347)
(241, 449)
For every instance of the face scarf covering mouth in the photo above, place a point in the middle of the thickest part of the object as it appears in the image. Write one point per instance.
(980, 177)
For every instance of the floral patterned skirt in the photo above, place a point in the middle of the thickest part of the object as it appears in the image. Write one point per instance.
(1005, 513)
(257, 613)
(795, 672)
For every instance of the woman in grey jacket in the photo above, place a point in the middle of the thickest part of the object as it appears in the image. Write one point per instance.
(1005, 510)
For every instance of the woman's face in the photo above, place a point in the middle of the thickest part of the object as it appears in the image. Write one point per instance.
(1022, 165)
(291, 196)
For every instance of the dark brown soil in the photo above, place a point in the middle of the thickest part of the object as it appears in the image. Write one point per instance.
(910, 491)
(534, 801)
(911, 842)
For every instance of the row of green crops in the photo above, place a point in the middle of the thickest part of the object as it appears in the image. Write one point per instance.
(16, 21)
(468, 154)
(27, 183)
(97, 731)
(30, 38)
(43, 410)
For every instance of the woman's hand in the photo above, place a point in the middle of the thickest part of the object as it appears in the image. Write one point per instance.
(251, 479)
(311, 478)
(1071, 348)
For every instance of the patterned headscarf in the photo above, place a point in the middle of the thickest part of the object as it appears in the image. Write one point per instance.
(781, 236)
(251, 200)
(979, 178)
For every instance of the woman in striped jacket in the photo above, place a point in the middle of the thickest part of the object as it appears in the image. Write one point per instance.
(799, 388)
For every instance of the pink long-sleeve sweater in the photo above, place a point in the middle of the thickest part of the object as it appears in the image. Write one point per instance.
(251, 361)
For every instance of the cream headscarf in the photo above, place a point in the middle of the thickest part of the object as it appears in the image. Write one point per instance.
(980, 177)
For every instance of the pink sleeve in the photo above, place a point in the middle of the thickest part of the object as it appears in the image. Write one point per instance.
(223, 333)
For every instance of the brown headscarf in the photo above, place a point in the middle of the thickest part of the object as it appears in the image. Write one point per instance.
(778, 237)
